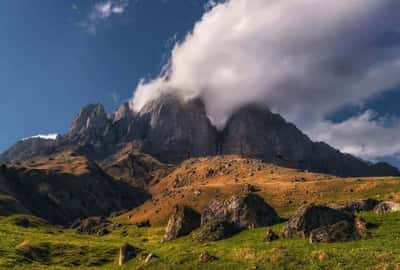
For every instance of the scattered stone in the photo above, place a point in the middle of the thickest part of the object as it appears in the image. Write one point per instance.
(116, 226)
(387, 207)
(247, 188)
(103, 231)
(150, 257)
(143, 224)
(245, 212)
(23, 222)
(358, 205)
(182, 222)
(126, 253)
(206, 257)
(92, 225)
(197, 192)
(271, 236)
(312, 217)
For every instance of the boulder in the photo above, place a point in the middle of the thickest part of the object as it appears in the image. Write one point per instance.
(387, 207)
(182, 222)
(311, 217)
(339, 232)
(207, 257)
(215, 231)
(126, 253)
(244, 211)
(271, 236)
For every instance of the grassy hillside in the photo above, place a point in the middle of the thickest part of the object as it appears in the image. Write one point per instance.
(196, 181)
(47, 247)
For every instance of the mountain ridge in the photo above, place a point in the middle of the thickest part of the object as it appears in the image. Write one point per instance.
(173, 130)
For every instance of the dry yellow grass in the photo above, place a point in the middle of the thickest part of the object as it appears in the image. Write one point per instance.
(196, 181)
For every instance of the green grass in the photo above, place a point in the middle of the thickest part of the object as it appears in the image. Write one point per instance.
(47, 247)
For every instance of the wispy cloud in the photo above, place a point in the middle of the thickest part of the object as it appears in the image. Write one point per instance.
(103, 11)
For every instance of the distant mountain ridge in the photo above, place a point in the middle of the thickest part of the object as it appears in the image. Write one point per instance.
(173, 130)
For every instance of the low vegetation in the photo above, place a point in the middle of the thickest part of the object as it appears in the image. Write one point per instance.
(49, 247)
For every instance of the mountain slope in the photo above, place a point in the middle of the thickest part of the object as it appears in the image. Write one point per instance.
(65, 187)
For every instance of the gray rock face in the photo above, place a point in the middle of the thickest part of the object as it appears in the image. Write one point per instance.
(312, 217)
(256, 132)
(182, 222)
(244, 212)
(92, 120)
(178, 130)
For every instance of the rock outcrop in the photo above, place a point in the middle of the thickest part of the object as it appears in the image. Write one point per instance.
(127, 252)
(387, 207)
(182, 222)
(243, 211)
(324, 224)
(178, 130)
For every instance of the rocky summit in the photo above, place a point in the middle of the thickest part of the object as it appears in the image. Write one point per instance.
(172, 130)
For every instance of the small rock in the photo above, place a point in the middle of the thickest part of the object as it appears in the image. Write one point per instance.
(103, 231)
(206, 257)
(126, 253)
(143, 224)
(271, 236)
(150, 257)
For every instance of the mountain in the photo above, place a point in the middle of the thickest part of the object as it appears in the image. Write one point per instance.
(172, 130)
(62, 188)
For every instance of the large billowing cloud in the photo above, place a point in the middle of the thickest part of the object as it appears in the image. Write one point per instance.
(302, 58)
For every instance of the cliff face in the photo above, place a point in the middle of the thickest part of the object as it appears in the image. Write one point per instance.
(173, 130)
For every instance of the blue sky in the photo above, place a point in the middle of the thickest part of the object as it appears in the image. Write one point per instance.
(57, 56)
(51, 64)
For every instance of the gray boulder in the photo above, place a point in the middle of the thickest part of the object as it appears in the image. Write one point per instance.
(387, 207)
(341, 231)
(182, 222)
(127, 252)
(311, 217)
(244, 211)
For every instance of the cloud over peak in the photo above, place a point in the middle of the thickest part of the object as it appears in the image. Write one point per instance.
(302, 58)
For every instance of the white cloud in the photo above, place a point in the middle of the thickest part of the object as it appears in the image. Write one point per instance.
(302, 58)
(366, 135)
(102, 11)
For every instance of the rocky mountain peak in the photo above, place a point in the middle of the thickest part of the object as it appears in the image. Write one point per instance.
(123, 112)
(92, 117)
